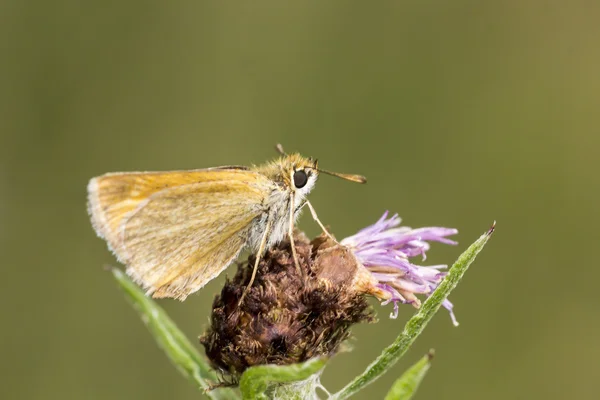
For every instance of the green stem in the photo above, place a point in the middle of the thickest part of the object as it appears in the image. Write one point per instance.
(417, 323)
(178, 348)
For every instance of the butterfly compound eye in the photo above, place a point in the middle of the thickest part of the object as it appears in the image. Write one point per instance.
(300, 178)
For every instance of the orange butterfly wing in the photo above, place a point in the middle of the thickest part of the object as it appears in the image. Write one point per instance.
(176, 231)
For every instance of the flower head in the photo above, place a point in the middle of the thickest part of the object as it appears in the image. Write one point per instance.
(288, 316)
(384, 248)
(291, 315)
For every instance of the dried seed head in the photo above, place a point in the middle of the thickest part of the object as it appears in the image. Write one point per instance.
(288, 317)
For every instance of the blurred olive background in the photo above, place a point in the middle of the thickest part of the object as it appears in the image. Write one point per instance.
(459, 113)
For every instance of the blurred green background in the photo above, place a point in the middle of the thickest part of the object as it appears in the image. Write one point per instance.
(458, 112)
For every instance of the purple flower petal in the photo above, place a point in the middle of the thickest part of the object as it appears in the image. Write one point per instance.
(384, 248)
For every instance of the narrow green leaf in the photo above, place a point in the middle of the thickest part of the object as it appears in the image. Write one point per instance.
(405, 387)
(417, 323)
(256, 381)
(177, 347)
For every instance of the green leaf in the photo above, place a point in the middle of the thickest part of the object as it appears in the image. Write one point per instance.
(405, 387)
(257, 382)
(177, 347)
(417, 323)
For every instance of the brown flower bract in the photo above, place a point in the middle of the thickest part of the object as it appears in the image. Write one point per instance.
(287, 317)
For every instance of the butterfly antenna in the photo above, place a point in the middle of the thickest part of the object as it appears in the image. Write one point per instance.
(347, 177)
(279, 149)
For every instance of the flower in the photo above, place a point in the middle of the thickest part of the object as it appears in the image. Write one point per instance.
(384, 249)
(290, 315)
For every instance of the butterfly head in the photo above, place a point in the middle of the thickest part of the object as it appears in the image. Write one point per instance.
(298, 173)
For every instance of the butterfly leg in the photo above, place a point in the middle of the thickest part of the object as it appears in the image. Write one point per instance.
(261, 249)
(314, 215)
(291, 235)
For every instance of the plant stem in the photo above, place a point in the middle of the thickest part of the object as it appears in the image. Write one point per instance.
(417, 323)
(178, 348)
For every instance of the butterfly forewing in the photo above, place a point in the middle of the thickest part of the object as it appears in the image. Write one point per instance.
(177, 230)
